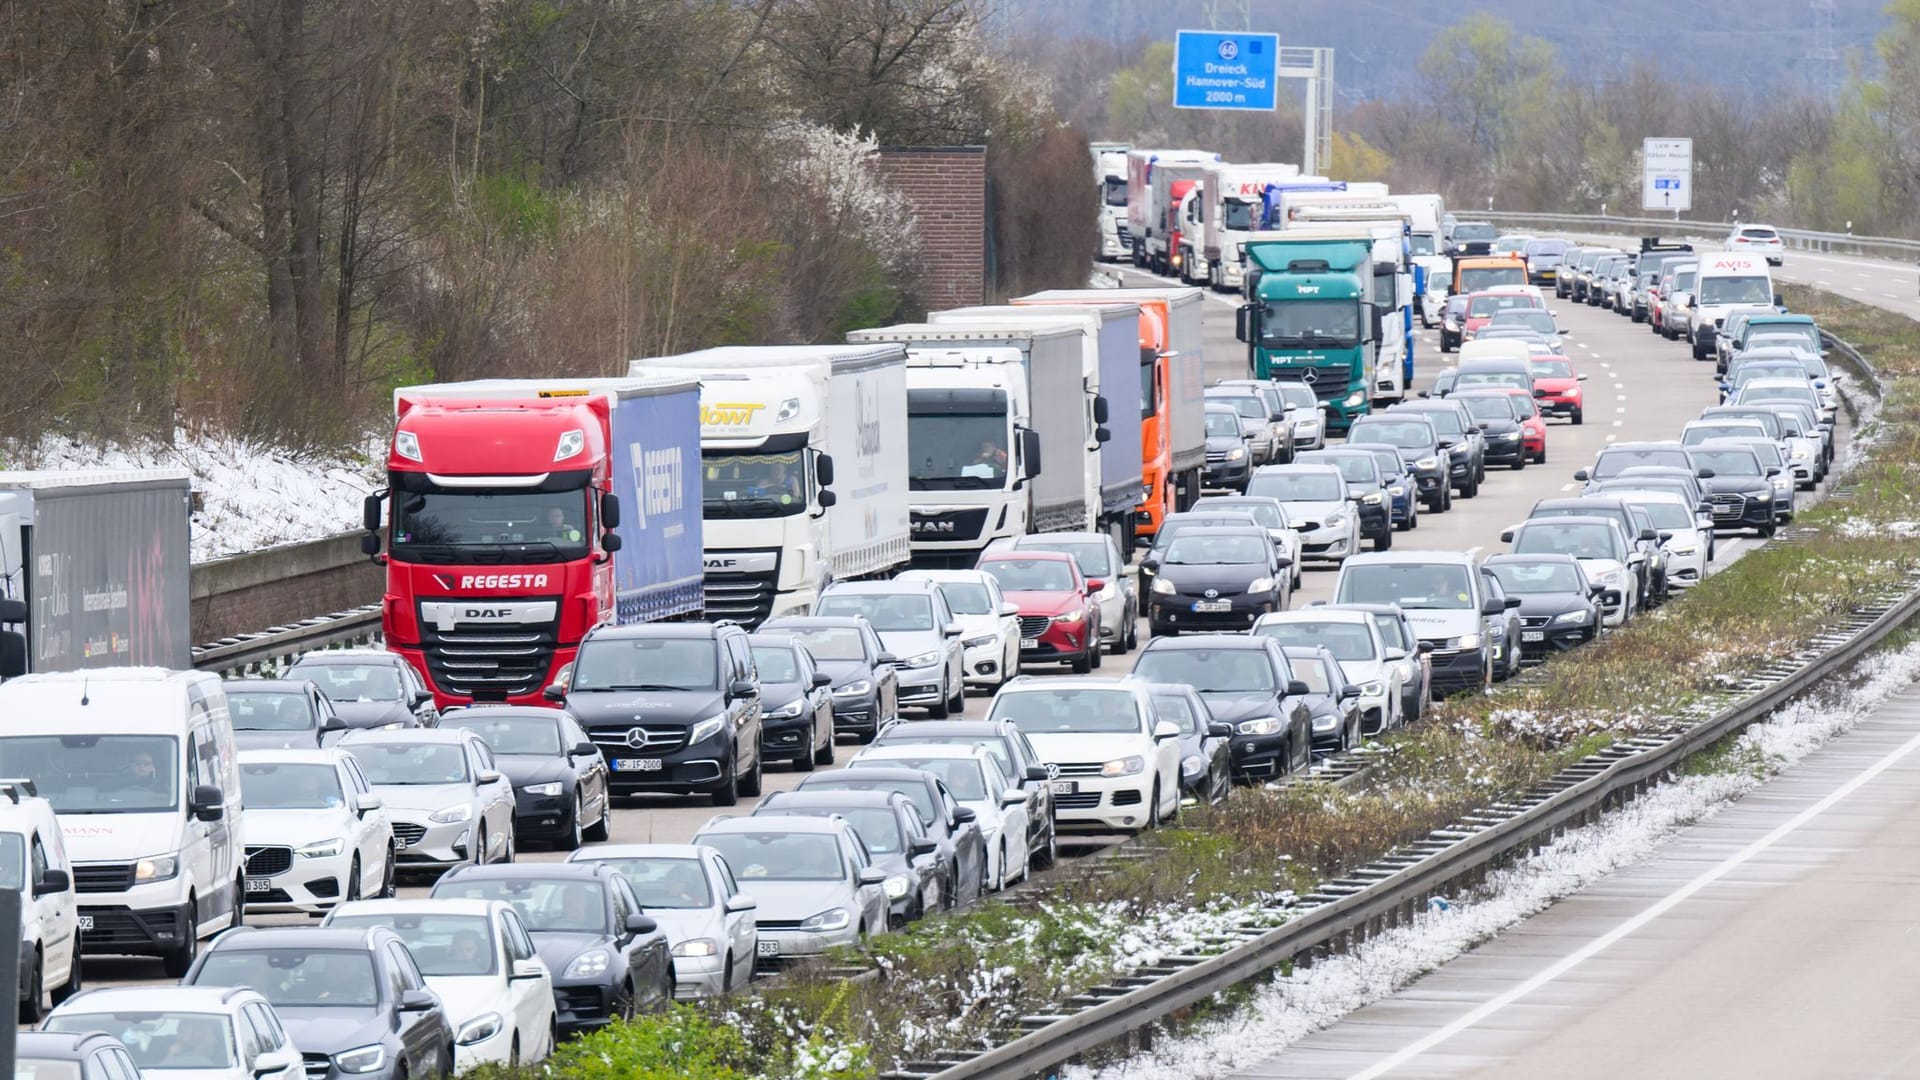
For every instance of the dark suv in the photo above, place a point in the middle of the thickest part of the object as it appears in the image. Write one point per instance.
(674, 708)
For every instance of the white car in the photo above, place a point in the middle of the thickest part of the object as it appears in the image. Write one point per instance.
(1308, 415)
(691, 892)
(1355, 641)
(979, 784)
(206, 1032)
(1758, 240)
(989, 624)
(449, 804)
(814, 883)
(317, 835)
(33, 862)
(1768, 391)
(1318, 507)
(1676, 295)
(1601, 548)
(1108, 751)
(478, 956)
(1689, 544)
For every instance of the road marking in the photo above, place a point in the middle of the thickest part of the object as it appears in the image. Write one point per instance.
(1610, 438)
(1621, 408)
(1821, 281)
(1603, 363)
(1616, 423)
(1649, 914)
(1566, 487)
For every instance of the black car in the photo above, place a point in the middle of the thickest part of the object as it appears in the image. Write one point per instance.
(1331, 699)
(674, 708)
(796, 702)
(1419, 446)
(1739, 487)
(559, 777)
(1246, 682)
(866, 688)
(369, 688)
(1174, 524)
(955, 827)
(1229, 457)
(352, 1000)
(609, 959)
(1558, 612)
(1503, 628)
(1217, 579)
(1005, 741)
(920, 876)
(1498, 414)
(1206, 744)
(1366, 486)
(1466, 460)
(280, 714)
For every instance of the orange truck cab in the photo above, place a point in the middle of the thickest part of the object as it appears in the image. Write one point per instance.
(1478, 273)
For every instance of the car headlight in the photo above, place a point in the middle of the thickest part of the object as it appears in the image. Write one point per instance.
(834, 919)
(1236, 453)
(452, 814)
(1467, 641)
(393, 725)
(1799, 455)
(1572, 618)
(1337, 520)
(1373, 689)
(554, 787)
(1264, 725)
(1610, 577)
(1397, 490)
(788, 711)
(922, 660)
(699, 946)
(1684, 552)
(588, 964)
(1505, 436)
(1192, 765)
(1427, 463)
(1372, 498)
(706, 729)
(361, 1059)
(1164, 587)
(479, 1029)
(1264, 584)
(1325, 722)
(978, 642)
(157, 868)
(896, 887)
(1131, 765)
(323, 849)
(1355, 399)
(1072, 616)
(854, 689)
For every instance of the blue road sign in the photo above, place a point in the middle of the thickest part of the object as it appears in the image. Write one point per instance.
(1225, 71)
(1666, 183)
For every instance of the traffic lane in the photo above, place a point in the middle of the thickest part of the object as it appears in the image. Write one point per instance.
(1885, 284)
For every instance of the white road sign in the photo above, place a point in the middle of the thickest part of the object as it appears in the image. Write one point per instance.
(1666, 178)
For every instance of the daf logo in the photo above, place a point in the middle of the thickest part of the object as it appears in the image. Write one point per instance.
(486, 613)
(720, 562)
(1309, 376)
(1212, 593)
(636, 738)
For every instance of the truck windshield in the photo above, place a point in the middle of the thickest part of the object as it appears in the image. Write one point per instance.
(1421, 244)
(1736, 290)
(1238, 214)
(739, 484)
(1116, 192)
(1149, 386)
(1480, 279)
(98, 774)
(461, 526)
(947, 451)
(1306, 323)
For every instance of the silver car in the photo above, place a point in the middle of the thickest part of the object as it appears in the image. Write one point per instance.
(1318, 506)
(692, 894)
(916, 625)
(815, 885)
(449, 803)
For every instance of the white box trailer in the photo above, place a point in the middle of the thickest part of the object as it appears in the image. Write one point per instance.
(1235, 197)
(1147, 213)
(1426, 248)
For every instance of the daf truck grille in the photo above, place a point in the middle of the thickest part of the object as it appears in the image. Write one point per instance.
(490, 662)
(743, 598)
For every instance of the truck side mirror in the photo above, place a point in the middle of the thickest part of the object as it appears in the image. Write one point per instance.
(370, 511)
(1101, 435)
(610, 542)
(1100, 409)
(1243, 323)
(823, 471)
(370, 544)
(828, 498)
(609, 510)
(1030, 453)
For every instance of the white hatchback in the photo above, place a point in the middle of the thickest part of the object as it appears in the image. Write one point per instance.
(978, 783)
(317, 835)
(207, 1032)
(1758, 240)
(989, 623)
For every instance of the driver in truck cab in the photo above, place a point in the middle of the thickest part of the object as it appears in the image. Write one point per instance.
(562, 529)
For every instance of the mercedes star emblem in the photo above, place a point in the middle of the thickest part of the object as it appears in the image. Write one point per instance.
(1309, 376)
(636, 738)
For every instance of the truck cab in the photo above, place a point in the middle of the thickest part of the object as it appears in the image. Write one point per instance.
(1477, 273)
(1312, 320)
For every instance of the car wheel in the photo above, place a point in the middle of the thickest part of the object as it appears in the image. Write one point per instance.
(1579, 417)
(507, 850)
(513, 1054)
(1099, 652)
(958, 702)
(1446, 497)
(824, 755)
(33, 1007)
(572, 838)
(1050, 853)
(1383, 539)
(1084, 662)
(751, 784)
(603, 827)
(390, 882)
(352, 891)
(1153, 807)
(1519, 462)
(1133, 631)
(942, 708)
(728, 793)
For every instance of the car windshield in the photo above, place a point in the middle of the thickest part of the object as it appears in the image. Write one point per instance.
(1401, 433)
(267, 785)
(1529, 318)
(1551, 369)
(1486, 306)
(1728, 462)
(906, 735)
(751, 484)
(1519, 380)
(1736, 290)
(775, 855)
(160, 1040)
(1223, 423)
(1446, 423)
(1296, 487)
(530, 735)
(1210, 671)
(1269, 515)
(967, 598)
(828, 642)
(1410, 585)
(1354, 468)
(1746, 373)
(1489, 408)
(1389, 627)
(1666, 514)
(351, 682)
(1065, 712)
(545, 906)
(1543, 576)
(296, 978)
(776, 664)
(661, 882)
(1802, 335)
(1206, 549)
(1030, 575)
(1774, 393)
(449, 945)
(1614, 462)
(1090, 555)
(411, 763)
(878, 828)
(98, 774)
(963, 776)
(1347, 640)
(1298, 396)
(1581, 539)
(1387, 461)
(1177, 710)
(1313, 672)
(914, 789)
(1247, 405)
(645, 663)
(888, 612)
(270, 710)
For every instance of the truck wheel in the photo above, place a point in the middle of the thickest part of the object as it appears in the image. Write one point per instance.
(728, 793)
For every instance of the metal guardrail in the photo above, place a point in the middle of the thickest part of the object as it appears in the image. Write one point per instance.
(1897, 248)
(272, 649)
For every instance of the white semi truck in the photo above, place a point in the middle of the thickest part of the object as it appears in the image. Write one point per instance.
(1426, 248)
(1156, 182)
(1110, 178)
(1233, 202)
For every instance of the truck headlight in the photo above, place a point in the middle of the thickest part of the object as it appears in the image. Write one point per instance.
(550, 789)
(835, 919)
(707, 729)
(1264, 725)
(323, 849)
(1355, 399)
(361, 1059)
(1131, 765)
(451, 814)
(156, 868)
(479, 1029)
(1163, 587)
(588, 964)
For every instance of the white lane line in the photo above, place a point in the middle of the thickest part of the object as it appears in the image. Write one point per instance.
(1821, 281)
(1566, 487)
(1616, 423)
(1621, 408)
(1644, 917)
(1610, 438)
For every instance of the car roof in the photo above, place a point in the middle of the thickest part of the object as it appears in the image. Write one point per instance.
(1322, 613)
(774, 639)
(347, 656)
(871, 772)
(1208, 640)
(744, 824)
(948, 577)
(265, 686)
(598, 852)
(1723, 445)
(170, 998)
(805, 621)
(1413, 557)
(1508, 558)
(825, 797)
(443, 905)
(1298, 470)
(1309, 652)
(1492, 364)
(304, 938)
(953, 727)
(1578, 501)
(889, 587)
(703, 630)
(1076, 537)
(1570, 519)
(1370, 609)
(531, 871)
(918, 750)
(1023, 554)
(296, 756)
(1030, 683)
(52, 1044)
(433, 736)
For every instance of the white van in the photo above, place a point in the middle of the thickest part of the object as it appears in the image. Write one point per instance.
(141, 767)
(1725, 281)
(33, 862)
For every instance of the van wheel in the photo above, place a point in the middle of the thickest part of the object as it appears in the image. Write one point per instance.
(728, 794)
(177, 961)
(750, 784)
(33, 1008)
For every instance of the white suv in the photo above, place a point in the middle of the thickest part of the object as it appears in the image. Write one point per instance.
(1757, 240)
(1116, 765)
(33, 862)
(216, 1032)
(317, 835)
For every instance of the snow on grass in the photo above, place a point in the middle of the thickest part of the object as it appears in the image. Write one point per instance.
(253, 496)
(1316, 996)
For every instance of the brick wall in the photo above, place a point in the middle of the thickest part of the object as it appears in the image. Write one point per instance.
(280, 585)
(947, 187)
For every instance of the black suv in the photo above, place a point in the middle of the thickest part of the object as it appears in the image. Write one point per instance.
(674, 708)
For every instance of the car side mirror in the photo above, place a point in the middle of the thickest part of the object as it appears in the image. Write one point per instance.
(1663, 536)
(208, 803)
(872, 875)
(964, 814)
(886, 659)
(1704, 474)
(821, 678)
(1014, 797)
(1423, 393)
(1493, 607)
(743, 688)
(922, 845)
(1649, 534)
(741, 902)
(418, 698)
(274, 1061)
(1164, 730)
(527, 969)
(641, 924)
(1282, 562)
(1218, 730)
(1703, 508)
(490, 776)
(1394, 653)
(555, 693)
(1512, 602)
(1506, 537)
(952, 629)
(1349, 693)
(1009, 609)
(1297, 688)
(1582, 377)
(1424, 647)
(333, 723)
(1581, 474)
(417, 1000)
(1773, 470)
(52, 880)
(1094, 585)
(367, 804)
(1037, 773)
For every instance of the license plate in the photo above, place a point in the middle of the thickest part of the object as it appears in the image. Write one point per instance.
(1066, 787)
(1533, 635)
(1029, 642)
(85, 922)
(645, 764)
(769, 948)
(259, 884)
(399, 842)
(1212, 605)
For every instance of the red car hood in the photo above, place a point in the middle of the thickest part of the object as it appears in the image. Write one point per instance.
(1044, 603)
(1557, 385)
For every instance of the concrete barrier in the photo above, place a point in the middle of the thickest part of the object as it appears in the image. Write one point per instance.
(245, 593)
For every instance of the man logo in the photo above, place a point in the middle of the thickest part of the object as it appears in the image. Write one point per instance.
(933, 528)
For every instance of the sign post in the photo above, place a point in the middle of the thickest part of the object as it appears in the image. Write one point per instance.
(1666, 178)
(1213, 70)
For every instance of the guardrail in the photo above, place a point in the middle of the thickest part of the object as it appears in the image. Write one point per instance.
(1893, 247)
(272, 649)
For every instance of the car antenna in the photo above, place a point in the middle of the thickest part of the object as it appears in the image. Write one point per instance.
(85, 681)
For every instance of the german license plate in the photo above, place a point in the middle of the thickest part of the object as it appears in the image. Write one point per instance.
(85, 922)
(769, 948)
(259, 884)
(1029, 642)
(1203, 606)
(1066, 787)
(399, 842)
(644, 764)
(1533, 635)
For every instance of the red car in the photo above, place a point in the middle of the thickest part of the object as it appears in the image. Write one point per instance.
(1533, 427)
(1483, 306)
(1556, 388)
(1059, 616)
